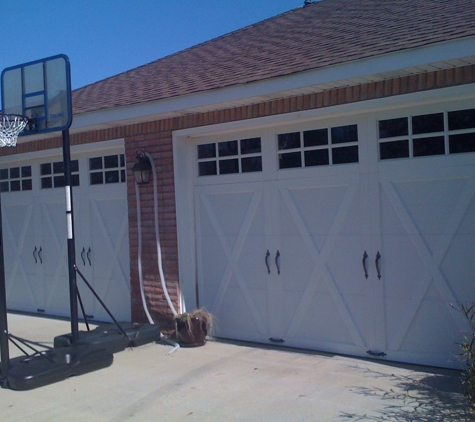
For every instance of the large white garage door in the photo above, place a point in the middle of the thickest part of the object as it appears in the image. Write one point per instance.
(352, 236)
(35, 239)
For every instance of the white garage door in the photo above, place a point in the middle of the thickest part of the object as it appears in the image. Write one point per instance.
(349, 236)
(34, 230)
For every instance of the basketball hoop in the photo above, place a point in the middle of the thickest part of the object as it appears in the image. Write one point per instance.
(10, 127)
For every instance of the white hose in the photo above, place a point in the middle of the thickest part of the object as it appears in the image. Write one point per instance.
(159, 255)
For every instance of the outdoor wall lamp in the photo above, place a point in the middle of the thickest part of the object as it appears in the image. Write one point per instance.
(141, 169)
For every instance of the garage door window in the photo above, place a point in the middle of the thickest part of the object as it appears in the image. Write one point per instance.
(52, 174)
(318, 147)
(15, 179)
(229, 157)
(428, 134)
(107, 169)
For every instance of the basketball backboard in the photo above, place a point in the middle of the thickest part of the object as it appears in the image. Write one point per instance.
(41, 91)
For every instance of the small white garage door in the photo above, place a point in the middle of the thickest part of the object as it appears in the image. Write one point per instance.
(351, 236)
(35, 240)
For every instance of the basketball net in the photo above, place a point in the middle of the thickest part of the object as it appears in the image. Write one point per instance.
(10, 127)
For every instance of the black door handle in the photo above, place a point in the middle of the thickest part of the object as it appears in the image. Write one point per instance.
(277, 256)
(89, 256)
(82, 256)
(378, 257)
(365, 255)
(40, 254)
(34, 255)
(266, 259)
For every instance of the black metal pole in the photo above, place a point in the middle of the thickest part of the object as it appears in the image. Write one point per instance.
(73, 289)
(4, 351)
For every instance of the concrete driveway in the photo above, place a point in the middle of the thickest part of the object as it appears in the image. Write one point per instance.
(225, 381)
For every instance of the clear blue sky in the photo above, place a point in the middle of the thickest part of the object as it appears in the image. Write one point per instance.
(105, 37)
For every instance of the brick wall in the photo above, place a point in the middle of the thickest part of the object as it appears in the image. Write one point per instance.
(156, 139)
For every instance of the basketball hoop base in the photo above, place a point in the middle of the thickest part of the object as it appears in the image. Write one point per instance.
(51, 366)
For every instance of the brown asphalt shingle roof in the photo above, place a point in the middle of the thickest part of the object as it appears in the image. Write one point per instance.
(322, 34)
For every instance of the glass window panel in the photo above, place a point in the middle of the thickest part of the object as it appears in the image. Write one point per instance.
(3, 174)
(312, 138)
(206, 151)
(112, 176)
(461, 119)
(15, 186)
(122, 176)
(393, 127)
(290, 160)
(344, 134)
(15, 173)
(96, 178)
(122, 160)
(396, 149)
(111, 161)
(250, 164)
(58, 167)
(289, 141)
(95, 163)
(45, 169)
(4, 187)
(428, 123)
(345, 155)
(26, 184)
(229, 166)
(207, 168)
(46, 182)
(225, 149)
(250, 146)
(58, 181)
(75, 179)
(318, 157)
(74, 166)
(429, 146)
(462, 143)
(26, 171)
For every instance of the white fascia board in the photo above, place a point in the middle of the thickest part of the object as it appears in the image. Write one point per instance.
(175, 106)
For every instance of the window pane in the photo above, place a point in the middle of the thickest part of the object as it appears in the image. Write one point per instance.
(45, 169)
(122, 160)
(345, 155)
(58, 167)
(397, 149)
(229, 166)
(429, 146)
(250, 146)
(95, 163)
(225, 149)
(75, 179)
(317, 157)
(112, 176)
(251, 164)
(428, 123)
(344, 134)
(206, 151)
(74, 166)
(3, 174)
(15, 173)
(15, 186)
(111, 161)
(462, 119)
(289, 141)
(462, 143)
(393, 127)
(46, 183)
(96, 178)
(58, 181)
(26, 184)
(26, 171)
(4, 187)
(290, 160)
(312, 138)
(208, 168)
(122, 176)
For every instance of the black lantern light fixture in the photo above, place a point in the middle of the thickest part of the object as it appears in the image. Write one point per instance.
(142, 169)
